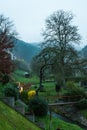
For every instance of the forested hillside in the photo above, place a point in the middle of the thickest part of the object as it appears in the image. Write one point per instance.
(25, 51)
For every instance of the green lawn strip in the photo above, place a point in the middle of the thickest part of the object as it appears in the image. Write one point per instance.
(19, 78)
(50, 93)
(15, 119)
(57, 123)
(21, 72)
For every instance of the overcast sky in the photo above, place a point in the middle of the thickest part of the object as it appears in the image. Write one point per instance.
(29, 15)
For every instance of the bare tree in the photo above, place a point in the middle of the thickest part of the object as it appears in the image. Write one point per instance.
(59, 37)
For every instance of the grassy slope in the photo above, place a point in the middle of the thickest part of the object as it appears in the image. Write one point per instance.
(11, 120)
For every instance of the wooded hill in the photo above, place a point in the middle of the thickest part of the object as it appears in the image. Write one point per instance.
(25, 51)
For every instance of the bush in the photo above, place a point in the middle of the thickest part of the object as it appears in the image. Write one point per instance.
(11, 91)
(82, 104)
(38, 105)
(70, 85)
(75, 92)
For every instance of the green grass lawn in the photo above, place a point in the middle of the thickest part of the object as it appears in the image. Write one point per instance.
(11, 120)
(19, 78)
(57, 123)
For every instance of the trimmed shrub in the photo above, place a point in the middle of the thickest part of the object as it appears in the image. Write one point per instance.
(82, 104)
(38, 105)
(11, 91)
